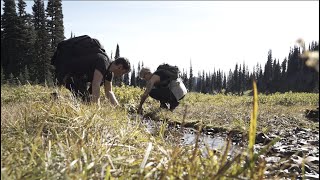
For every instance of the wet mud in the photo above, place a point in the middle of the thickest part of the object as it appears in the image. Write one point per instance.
(295, 155)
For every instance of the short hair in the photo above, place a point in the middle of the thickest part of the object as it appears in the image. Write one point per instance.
(124, 62)
(144, 71)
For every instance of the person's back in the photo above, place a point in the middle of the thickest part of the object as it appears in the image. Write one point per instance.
(82, 59)
(77, 56)
(75, 61)
(167, 73)
(85, 65)
(163, 85)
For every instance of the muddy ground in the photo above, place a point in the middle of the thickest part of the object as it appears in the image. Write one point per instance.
(294, 156)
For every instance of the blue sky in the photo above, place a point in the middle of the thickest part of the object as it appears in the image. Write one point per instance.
(212, 34)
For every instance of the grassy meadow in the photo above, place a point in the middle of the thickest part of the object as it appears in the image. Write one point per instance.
(45, 138)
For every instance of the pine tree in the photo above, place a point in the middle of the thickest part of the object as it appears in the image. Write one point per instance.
(184, 76)
(243, 78)
(219, 81)
(55, 30)
(49, 78)
(198, 82)
(138, 80)
(229, 87)
(284, 75)
(10, 38)
(260, 79)
(293, 68)
(248, 78)
(276, 81)
(142, 82)
(42, 45)
(126, 79)
(224, 84)
(55, 23)
(190, 85)
(240, 79)
(203, 83)
(21, 79)
(315, 75)
(117, 80)
(12, 79)
(214, 81)
(133, 78)
(267, 76)
(26, 74)
(27, 36)
(235, 85)
(117, 55)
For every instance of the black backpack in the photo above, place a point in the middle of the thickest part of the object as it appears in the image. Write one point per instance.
(75, 47)
(72, 48)
(172, 71)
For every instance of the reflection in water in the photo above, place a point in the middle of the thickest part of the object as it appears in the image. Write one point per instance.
(188, 137)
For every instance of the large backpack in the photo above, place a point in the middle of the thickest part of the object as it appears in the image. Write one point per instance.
(172, 71)
(73, 48)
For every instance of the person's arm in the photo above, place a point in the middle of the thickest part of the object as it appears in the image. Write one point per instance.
(154, 79)
(96, 81)
(109, 94)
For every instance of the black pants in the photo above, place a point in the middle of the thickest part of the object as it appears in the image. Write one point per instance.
(78, 86)
(164, 95)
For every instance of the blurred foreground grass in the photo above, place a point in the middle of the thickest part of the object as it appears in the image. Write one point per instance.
(42, 138)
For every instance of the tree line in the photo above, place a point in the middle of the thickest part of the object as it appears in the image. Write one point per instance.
(291, 74)
(29, 40)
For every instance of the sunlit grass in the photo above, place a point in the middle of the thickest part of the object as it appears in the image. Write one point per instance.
(42, 138)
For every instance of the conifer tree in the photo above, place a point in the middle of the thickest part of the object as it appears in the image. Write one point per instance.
(126, 79)
(235, 85)
(117, 52)
(133, 77)
(276, 81)
(138, 80)
(21, 79)
(12, 80)
(55, 23)
(26, 74)
(10, 41)
(293, 68)
(203, 83)
(49, 78)
(42, 45)
(190, 84)
(142, 82)
(229, 87)
(117, 80)
(224, 84)
(267, 76)
(198, 82)
(184, 76)
(27, 36)
(219, 81)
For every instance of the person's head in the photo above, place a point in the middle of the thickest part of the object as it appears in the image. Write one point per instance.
(145, 73)
(121, 66)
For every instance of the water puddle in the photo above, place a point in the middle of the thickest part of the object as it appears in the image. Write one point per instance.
(188, 137)
(283, 159)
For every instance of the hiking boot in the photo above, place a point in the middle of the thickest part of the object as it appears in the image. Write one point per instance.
(164, 105)
(173, 105)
